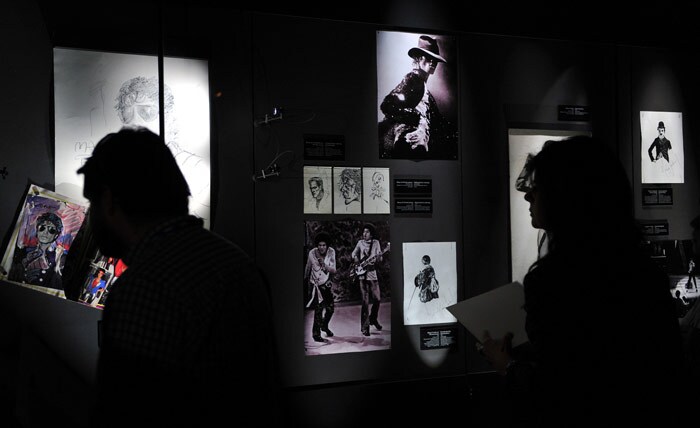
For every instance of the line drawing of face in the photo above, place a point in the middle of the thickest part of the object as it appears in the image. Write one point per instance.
(316, 187)
(377, 190)
(349, 188)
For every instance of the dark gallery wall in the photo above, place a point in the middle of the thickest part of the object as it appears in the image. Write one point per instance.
(322, 73)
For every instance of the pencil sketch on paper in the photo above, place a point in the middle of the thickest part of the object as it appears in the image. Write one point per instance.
(661, 150)
(430, 282)
(376, 196)
(347, 190)
(96, 93)
(318, 190)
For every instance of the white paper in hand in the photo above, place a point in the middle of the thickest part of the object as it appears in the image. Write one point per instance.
(498, 311)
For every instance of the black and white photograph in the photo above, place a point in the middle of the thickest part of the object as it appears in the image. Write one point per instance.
(347, 190)
(318, 190)
(430, 282)
(376, 197)
(662, 147)
(346, 286)
(526, 242)
(417, 96)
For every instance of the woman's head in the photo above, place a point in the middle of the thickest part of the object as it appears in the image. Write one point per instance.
(579, 191)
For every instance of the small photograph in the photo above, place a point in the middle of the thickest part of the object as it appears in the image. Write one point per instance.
(318, 190)
(417, 96)
(346, 287)
(430, 282)
(102, 274)
(376, 200)
(662, 147)
(44, 232)
(347, 190)
(677, 258)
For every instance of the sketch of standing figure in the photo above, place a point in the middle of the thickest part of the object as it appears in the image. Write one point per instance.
(661, 161)
(426, 281)
(430, 282)
(661, 144)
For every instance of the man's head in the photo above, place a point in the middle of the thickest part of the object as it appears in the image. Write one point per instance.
(350, 184)
(426, 259)
(137, 101)
(48, 227)
(426, 55)
(133, 173)
(368, 232)
(316, 187)
(661, 128)
(322, 241)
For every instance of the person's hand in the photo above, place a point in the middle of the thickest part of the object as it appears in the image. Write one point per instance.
(417, 138)
(497, 351)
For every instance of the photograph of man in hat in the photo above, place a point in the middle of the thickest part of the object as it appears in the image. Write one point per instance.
(417, 116)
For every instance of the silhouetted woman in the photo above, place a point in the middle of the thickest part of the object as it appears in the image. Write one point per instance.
(604, 341)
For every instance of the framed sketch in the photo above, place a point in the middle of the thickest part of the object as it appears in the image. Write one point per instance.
(662, 155)
(41, 240)
(526, 242)
(97, 92)
(430, 282)
(347, 190)
(318, 190)
(376, 199)
(334, 316)
(417, 96)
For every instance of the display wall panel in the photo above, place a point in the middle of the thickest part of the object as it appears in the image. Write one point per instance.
(319, 103)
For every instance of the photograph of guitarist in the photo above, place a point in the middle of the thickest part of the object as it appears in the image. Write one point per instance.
(366, 255)
(320, 266)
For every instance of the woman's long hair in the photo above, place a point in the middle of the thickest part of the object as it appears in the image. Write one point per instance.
(585, 196)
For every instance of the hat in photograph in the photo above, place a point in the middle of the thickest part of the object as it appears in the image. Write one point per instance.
(426, 45)
(661, 125)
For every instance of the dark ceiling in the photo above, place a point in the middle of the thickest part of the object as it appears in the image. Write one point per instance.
(662, 25)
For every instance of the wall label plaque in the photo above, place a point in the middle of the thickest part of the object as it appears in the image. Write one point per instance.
(413, 206)
(574, 113)
(655, 228)
(657, 196)
(438, 338)
(324, 147)
(413, 186)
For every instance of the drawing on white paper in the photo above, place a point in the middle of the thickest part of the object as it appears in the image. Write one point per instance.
(97, 93)
(662, 147)
(347, 190)
(318, 190)
(430, 282)
(376, 196)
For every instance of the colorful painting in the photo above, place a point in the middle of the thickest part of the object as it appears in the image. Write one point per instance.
(42, 238)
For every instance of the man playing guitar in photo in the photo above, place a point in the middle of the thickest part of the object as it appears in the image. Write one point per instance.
(366, 254)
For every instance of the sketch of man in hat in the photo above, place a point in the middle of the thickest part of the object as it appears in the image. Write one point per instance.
(413, 126)
(661, 143)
